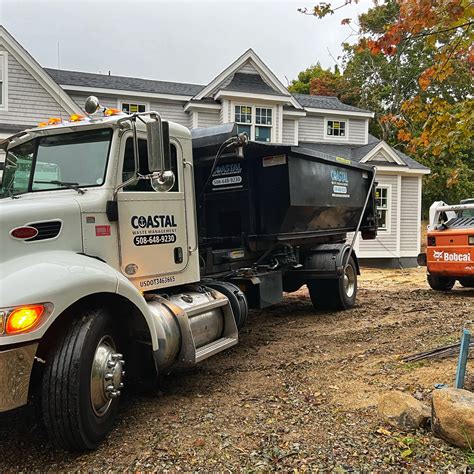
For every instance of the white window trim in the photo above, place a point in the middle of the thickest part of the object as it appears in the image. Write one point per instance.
(254, 112)
(332, 137)
(132, 101)
(4, 60)
(388, 229)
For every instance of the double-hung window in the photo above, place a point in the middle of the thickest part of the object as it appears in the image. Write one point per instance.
(131, 108)
(382, 199)
(256, 122)
(3, 79)
(336, 128)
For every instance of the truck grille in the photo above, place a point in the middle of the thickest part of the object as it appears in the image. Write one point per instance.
(46, 230)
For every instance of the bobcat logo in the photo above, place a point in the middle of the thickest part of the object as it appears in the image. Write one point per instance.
(438, 254)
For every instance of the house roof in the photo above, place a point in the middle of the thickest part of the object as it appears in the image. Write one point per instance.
(358, 152)
(32, 67)
(104, 81)
(243, 82)
(325, 102)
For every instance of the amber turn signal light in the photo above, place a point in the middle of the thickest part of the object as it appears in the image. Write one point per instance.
(110, 112)
(24, 318)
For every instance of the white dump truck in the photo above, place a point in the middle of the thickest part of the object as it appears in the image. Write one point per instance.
(125, 239)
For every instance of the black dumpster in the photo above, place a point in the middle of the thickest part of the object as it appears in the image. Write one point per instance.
(277, 193)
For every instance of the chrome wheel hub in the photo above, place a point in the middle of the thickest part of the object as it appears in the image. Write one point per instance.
(106, 375)
(349, 280)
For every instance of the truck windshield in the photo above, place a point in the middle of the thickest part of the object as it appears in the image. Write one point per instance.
(57, 162)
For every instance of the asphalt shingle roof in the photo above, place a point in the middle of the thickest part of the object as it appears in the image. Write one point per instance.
(241, 82)
(357, 152)
(104, 81)
(325, 102)
(253, 83)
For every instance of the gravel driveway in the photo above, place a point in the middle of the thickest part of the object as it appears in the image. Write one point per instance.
(298, 392)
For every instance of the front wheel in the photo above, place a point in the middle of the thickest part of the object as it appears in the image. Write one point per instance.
(439, 283)
(82, 382)
(335, 294)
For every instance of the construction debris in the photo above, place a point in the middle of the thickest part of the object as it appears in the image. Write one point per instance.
(442, 352)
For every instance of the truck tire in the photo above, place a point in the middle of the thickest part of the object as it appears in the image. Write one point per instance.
(82, 382)
(335, 294)
(467, 282)
(439, 283)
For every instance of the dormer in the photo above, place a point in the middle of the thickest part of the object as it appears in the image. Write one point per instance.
(251, 95)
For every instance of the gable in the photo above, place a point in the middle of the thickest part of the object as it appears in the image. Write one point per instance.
(32, 95)
(247, 78)
(250, 69)
(383, 153)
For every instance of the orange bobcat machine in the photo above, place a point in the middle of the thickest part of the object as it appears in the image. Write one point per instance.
(450, 245)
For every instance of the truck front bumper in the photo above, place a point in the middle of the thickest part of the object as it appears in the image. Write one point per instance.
(15, 372)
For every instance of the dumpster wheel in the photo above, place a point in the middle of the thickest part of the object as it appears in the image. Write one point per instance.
(336, 293)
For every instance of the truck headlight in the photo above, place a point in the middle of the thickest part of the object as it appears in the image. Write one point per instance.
(21, 319)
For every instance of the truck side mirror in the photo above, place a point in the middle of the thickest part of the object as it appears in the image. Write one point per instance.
(156, 156)
(158, 143)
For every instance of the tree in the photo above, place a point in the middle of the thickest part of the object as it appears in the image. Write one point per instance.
(412, 66)
(302, 85)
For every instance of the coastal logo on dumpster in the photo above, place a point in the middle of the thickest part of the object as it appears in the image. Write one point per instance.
(339, 181)
(227, 176)
(441, 255)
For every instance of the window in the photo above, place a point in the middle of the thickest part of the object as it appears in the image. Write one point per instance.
(255, 121)
(3, 79)
(128, 170)
(383, 207)
(57, 161)
(336, 128)
(130, 108)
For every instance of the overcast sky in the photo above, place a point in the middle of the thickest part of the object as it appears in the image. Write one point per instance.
(183, 41)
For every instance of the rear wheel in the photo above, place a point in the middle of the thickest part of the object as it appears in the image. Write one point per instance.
(335, 294)
(82, 382)
(467, 282)
(439, 283)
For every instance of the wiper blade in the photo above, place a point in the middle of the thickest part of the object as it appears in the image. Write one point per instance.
(12, 194)
(66, 184)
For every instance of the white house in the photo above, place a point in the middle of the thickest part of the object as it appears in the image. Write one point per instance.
(248, 93)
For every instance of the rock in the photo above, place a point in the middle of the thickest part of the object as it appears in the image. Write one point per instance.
(453, 416)
(403, 411)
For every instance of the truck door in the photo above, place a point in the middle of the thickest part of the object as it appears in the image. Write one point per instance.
(152, 225)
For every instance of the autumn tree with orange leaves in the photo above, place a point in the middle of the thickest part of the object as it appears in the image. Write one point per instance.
(413, 64)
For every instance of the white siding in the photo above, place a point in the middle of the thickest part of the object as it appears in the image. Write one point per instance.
(171, 111)
(208, 118)
(357, 131)
(409, 217)
(311, 128)
(28, 102)
(385, 244)
(289, 131)
(248, 68)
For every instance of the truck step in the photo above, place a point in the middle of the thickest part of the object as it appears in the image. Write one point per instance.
(207, 306)
(214, 347)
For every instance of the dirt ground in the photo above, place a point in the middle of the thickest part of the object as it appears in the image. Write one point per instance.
(298, 393)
